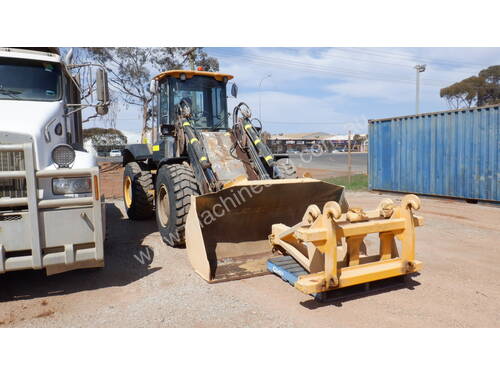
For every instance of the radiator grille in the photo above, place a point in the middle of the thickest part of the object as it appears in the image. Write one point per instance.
(12, 161)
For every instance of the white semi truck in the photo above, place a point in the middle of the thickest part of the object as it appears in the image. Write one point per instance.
(51, 210)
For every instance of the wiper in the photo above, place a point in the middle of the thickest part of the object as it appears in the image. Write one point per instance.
(221, 117)
(11, 93)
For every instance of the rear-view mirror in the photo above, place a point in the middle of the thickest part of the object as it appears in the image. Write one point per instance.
(234, 90)
(153, 86)
(102, 90)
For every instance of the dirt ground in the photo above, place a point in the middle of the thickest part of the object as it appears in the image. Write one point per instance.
(112, 175)
(458, 286)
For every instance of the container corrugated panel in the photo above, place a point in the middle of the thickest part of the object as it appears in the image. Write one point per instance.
(453, 153)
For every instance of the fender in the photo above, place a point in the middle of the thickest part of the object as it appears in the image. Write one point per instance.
(170, 161)
(139, 152)
(281, 156)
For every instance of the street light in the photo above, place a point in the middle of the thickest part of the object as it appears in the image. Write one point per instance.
(420, 69)
(260, 86)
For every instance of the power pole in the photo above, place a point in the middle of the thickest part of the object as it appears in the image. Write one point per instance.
(419, 69)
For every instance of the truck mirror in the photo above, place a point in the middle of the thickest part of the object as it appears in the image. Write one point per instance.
(102, 91)
(234, 90)
(153, 86)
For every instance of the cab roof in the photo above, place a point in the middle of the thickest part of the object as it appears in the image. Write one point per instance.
(191, 73)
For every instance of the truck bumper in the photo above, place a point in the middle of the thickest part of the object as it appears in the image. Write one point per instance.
(52, 234)
(66, 236)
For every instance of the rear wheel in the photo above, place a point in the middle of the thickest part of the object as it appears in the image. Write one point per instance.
(138, 191)
(286, 168)
(174, 186)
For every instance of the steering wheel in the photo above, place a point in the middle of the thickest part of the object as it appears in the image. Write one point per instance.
(198, 115)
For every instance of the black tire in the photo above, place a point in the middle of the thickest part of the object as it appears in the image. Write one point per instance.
(138, 189)
(286, 168)
(174, 186)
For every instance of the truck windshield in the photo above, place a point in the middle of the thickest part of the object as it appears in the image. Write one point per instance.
(29, 80)
(207, 98)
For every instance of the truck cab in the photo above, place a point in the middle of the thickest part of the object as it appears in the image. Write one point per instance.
(51, 214)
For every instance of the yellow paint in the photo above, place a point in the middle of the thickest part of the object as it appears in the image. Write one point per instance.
(185, 123)
(127, 191)
(203, 158)
(156, 147)
(191, 73)
(268, 157)
(348, 265)
(248, 126)
(96, 188)
(236, 181)
(257, 141)
(192, 140)
(360, 274)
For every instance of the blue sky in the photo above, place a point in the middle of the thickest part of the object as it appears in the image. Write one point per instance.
(334, 90)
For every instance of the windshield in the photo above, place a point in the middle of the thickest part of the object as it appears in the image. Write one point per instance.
(207, 98)
(29, 80)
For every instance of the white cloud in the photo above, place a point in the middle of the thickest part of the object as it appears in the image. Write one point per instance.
(284, 112)
(336, 89)
(381, 74)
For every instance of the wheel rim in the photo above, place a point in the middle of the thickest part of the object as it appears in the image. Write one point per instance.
(163, 205)
(127, 191)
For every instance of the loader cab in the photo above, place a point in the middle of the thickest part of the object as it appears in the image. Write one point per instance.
(205, 92)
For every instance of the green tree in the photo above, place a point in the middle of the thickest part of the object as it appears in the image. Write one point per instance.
(490, 92)
(130, 69)
(483, 89)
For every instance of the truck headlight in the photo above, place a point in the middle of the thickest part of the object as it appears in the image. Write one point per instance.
(63, 155)
(74, 185)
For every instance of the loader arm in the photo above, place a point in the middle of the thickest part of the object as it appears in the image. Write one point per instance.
(248, 138)
(199, 158)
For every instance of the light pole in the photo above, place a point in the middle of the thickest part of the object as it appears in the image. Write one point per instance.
(260, 86)
(419, 69)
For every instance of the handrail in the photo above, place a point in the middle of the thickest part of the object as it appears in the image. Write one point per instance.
(13, 202)
(12, 147)
(12, 174)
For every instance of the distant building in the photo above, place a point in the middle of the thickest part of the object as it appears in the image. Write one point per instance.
(311, 142)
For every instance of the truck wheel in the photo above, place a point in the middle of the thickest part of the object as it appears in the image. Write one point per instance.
(138, 191)
(174, 186)
(286, 168)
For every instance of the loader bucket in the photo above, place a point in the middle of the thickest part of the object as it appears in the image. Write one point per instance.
(227, 231)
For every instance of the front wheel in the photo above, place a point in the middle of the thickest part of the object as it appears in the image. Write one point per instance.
(174, 186)
(138, 191)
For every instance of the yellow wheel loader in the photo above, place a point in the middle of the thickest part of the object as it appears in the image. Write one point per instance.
(216, 188)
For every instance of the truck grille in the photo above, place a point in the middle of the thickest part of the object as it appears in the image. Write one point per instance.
(12, 161)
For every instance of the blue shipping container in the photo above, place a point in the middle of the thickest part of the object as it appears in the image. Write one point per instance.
(453, 153)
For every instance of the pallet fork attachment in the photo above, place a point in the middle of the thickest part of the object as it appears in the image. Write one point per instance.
(330, 245)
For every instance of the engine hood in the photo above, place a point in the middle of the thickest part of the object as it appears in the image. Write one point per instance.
(31, 118)
(27, 117)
